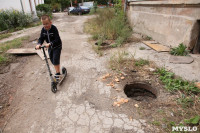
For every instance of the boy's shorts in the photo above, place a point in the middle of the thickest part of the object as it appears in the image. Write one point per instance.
(54, 55)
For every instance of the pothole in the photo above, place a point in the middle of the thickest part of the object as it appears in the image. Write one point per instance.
(140, 91)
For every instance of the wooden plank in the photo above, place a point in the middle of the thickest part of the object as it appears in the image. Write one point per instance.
(156, 46)
(41, 54)
(22, 51)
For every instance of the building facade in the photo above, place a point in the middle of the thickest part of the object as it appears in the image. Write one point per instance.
(26, 6)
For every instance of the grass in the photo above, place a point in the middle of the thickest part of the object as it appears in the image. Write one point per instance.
(142, 48)
(179, 51)
(156, 123)
(176, 84)
(141, 62)
(117, 59)
(2, 36)
(16, 43)
(109, 25)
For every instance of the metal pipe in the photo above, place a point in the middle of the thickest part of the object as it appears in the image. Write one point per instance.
(22, 6)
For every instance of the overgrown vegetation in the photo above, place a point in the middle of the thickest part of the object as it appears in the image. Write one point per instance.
(44, 9)
(179, 51)
(10, 19)
(110, 24)
(176, 84)
(16, 43)
(117, 59)
(141, 62)
(183, 106)
(188, 97)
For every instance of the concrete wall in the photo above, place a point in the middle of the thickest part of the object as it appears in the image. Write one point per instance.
(168, 22)
(10, 4)
(28, 6)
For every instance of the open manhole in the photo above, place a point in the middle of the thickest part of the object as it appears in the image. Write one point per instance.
(140, 91)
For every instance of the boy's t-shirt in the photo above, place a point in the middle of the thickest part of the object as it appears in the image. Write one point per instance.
(51, 36)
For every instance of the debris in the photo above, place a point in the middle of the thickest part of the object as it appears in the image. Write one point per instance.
(24, 51)
(122, 78)
(151, 69)
(156, 46)
(136, 105)
(106, 76)
(111, 84)
(120, 101)
(197, 84)
(124, 73)
(118, 89)
(117, 80)
(131, 118)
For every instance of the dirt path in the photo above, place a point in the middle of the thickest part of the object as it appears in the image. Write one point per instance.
(82, 104)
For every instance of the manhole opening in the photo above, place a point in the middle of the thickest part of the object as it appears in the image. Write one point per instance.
(140, 91)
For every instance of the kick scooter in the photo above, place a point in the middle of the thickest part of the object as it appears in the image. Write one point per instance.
(54, 82)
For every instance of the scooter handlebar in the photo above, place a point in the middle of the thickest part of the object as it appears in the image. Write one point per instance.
(41, 47)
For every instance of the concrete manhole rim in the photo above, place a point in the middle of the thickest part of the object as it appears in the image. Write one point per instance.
(143, 85)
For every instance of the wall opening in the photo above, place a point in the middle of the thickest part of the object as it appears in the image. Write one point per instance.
(196, 49)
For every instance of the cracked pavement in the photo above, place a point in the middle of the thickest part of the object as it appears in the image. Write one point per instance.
(83, 104)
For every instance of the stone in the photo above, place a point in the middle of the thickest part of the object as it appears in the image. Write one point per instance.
(181, 59)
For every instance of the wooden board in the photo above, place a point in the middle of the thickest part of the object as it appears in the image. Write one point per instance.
(41, 54)
(156, 46)
(22, 51)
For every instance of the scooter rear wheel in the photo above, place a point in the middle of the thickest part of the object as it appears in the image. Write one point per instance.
(53, 87)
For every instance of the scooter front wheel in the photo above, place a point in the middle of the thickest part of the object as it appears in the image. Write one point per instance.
(53, 87)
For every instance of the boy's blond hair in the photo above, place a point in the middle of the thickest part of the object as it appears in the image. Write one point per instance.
(44, 17)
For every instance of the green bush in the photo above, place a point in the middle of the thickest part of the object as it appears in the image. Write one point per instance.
(44, 9)
(181, 50)
(110, 25)
(12, 19)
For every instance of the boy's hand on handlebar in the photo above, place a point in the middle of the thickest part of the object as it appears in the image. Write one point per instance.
(47, 45)
(37, 46)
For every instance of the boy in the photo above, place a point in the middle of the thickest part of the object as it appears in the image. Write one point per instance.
(49, 33)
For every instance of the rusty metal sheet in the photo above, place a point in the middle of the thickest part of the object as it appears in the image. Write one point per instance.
(156, 46)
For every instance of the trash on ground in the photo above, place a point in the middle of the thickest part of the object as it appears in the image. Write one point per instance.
(156, 46)
(120, 101)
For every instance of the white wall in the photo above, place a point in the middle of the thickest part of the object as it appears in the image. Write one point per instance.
(10, 4)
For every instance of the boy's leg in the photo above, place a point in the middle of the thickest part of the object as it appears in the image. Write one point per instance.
(57, 68)
(56, 62)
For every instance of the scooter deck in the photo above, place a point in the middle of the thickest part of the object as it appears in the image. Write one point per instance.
(64, 74)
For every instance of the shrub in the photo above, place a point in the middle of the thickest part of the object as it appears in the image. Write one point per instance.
(111, 26)
(12, 19)
(179, 51)
(43, 9)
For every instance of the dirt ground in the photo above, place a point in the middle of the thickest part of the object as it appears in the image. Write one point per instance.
(86, 101)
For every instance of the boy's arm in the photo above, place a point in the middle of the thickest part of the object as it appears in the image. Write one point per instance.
(57, 38)
(41, 39)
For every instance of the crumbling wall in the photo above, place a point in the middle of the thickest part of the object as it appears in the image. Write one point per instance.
(168, 22)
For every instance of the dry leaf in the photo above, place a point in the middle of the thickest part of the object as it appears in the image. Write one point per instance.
(118, 89)
(197, 84)
(125, 100)
(136, 106)
(117, 80)
(122, 77)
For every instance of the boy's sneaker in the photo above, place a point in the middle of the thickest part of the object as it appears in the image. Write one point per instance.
(58, 77)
